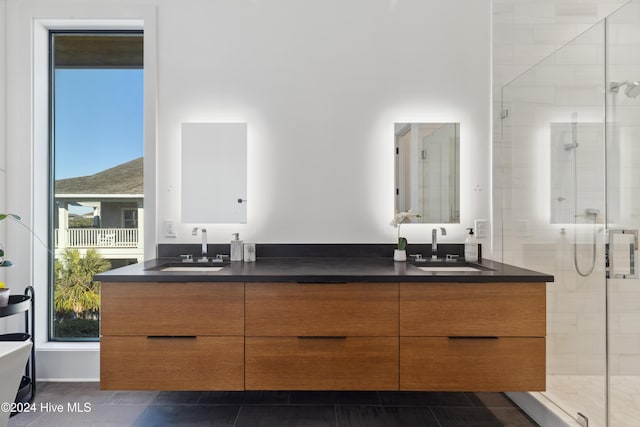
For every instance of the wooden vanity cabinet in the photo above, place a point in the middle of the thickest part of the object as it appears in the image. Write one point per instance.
(472, 336)
(323, 336)
(303, 336)
(172, 336)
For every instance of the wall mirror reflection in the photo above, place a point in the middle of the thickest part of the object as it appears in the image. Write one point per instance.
(427, 171)
(576, 161)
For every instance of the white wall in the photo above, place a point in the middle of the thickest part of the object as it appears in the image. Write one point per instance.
(320, 84)
(3, 98)
(3, 147)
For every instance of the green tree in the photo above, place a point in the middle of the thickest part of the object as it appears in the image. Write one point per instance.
(75, 290)
(80, 222)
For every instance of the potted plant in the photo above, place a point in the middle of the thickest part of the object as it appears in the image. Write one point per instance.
(4, 295)
(6, 262)
(400, 253)
(5, 292)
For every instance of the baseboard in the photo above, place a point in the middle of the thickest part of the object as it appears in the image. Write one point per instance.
(77, 365)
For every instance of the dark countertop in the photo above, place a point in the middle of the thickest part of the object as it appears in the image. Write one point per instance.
(322, 270)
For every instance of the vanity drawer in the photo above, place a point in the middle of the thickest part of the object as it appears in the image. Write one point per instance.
(321, 364)
(172, 309)
(292, 309)
(472, 309)
(172, 363)
(472, 364)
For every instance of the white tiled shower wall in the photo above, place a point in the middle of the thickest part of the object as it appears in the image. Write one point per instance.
(571, 81)
(524, 33)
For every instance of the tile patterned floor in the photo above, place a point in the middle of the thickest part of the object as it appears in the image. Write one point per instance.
(258, 409)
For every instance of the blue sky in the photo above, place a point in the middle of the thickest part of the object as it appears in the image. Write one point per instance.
(99, 119)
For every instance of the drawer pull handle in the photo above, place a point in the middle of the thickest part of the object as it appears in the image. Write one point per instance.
(321, 337)
(171, 337)
(321, 282)
(473, 338)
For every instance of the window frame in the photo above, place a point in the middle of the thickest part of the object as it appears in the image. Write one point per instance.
(52, 206)
(123, 213)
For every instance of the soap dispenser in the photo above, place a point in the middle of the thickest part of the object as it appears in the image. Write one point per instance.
(236, 247)
(471, 247)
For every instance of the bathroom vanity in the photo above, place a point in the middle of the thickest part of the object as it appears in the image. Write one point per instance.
(323, 324)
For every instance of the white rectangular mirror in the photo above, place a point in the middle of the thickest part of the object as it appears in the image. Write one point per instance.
(427, 171)
(214, 173)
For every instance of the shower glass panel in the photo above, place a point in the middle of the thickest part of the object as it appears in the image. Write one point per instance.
(570, 165)
(623, 213)
(552, 158)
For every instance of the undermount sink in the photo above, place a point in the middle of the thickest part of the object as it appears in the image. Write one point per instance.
(450, 268)
(188, 267)
(184, 268)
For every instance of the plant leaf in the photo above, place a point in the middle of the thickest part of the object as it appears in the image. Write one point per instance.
(5, 215)
(402, 243)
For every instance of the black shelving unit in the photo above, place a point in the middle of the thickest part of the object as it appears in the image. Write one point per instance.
(24, 304)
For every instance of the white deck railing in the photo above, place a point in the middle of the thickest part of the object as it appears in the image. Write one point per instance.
(98, 238)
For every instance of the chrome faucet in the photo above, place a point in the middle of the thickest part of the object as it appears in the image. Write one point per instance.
(434, 242)
(194, 232)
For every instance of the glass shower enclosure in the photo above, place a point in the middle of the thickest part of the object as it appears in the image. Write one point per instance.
(568, 179)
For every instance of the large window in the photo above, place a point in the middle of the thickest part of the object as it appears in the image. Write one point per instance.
(96, 170)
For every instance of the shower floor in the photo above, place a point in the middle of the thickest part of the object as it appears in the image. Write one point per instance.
(586, 394)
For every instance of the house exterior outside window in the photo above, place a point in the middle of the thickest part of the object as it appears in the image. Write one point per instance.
(97, 193)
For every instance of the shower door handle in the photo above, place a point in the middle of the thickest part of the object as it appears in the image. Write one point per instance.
(633, 250)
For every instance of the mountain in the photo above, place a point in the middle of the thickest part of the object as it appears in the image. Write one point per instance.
(126, 178)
